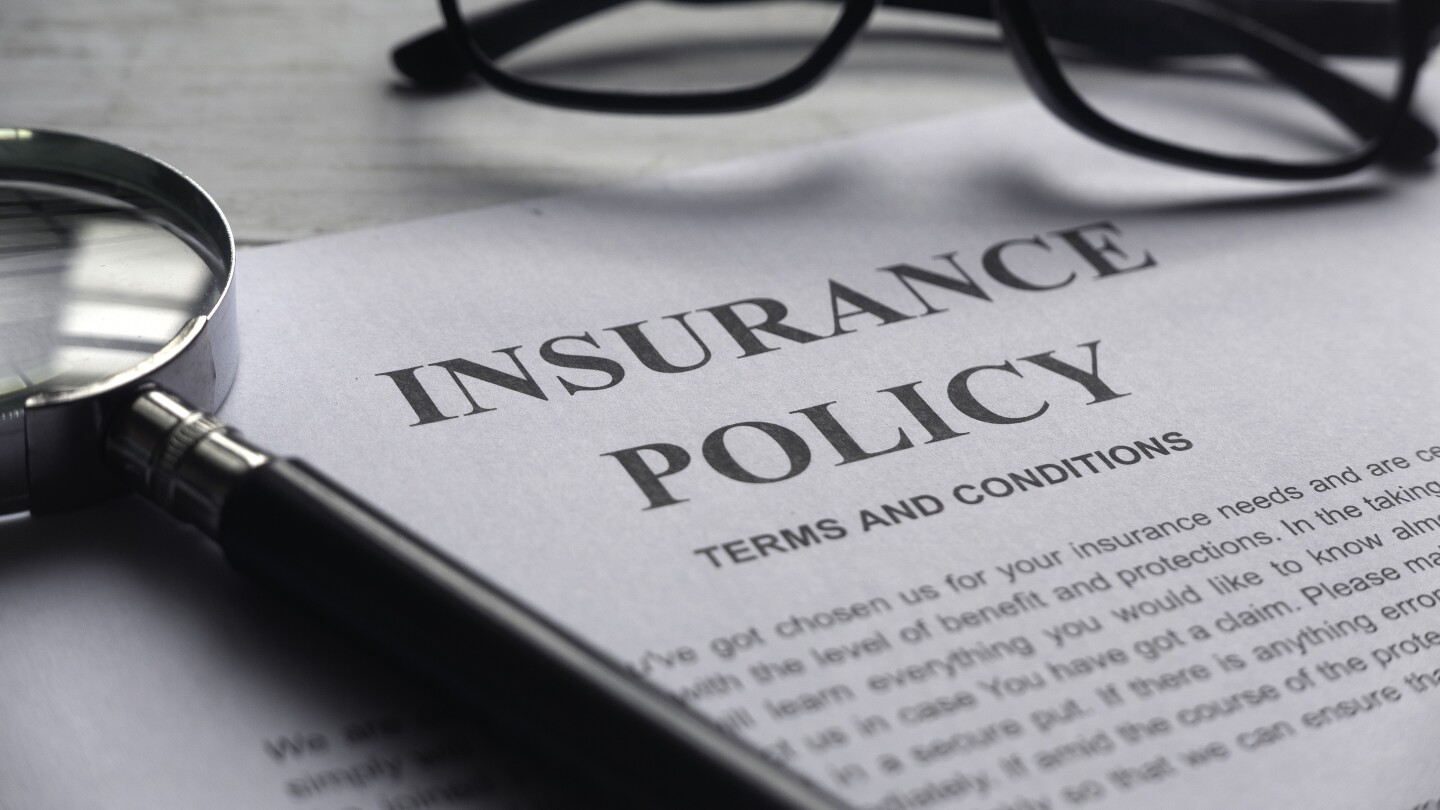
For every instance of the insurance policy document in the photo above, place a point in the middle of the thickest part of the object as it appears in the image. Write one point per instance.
(951, 468)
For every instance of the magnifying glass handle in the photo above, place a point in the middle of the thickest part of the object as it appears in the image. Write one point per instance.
(286, 524)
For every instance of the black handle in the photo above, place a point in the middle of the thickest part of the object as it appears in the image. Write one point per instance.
(286, 524)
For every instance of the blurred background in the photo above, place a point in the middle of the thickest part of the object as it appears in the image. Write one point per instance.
(291, 115)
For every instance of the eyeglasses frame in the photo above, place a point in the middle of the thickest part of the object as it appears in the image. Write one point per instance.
(1022, 29)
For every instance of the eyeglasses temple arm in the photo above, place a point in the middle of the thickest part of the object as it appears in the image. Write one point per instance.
(1331, 27)
(1359, 109)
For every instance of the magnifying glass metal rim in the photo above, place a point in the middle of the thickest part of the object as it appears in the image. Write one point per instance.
(50, 456)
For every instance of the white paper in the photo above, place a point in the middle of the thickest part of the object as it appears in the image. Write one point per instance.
(1279, 334)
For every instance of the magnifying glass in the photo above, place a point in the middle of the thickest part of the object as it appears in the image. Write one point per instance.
(118, 339)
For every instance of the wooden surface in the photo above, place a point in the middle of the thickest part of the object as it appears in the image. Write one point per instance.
(290, 114)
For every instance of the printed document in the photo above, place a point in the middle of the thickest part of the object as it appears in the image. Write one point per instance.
(951, 468)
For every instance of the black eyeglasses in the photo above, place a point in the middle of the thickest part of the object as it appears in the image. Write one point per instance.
(1285, 89)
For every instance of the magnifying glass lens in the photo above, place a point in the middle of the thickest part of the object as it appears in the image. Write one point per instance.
(90, 287)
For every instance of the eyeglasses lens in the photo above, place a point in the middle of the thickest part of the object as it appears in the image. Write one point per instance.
(1292, 81)
(652, 47)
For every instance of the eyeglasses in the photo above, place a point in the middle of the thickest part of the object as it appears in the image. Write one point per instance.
(1284, 89)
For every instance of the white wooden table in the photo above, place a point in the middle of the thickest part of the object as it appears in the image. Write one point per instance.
(290, 114)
